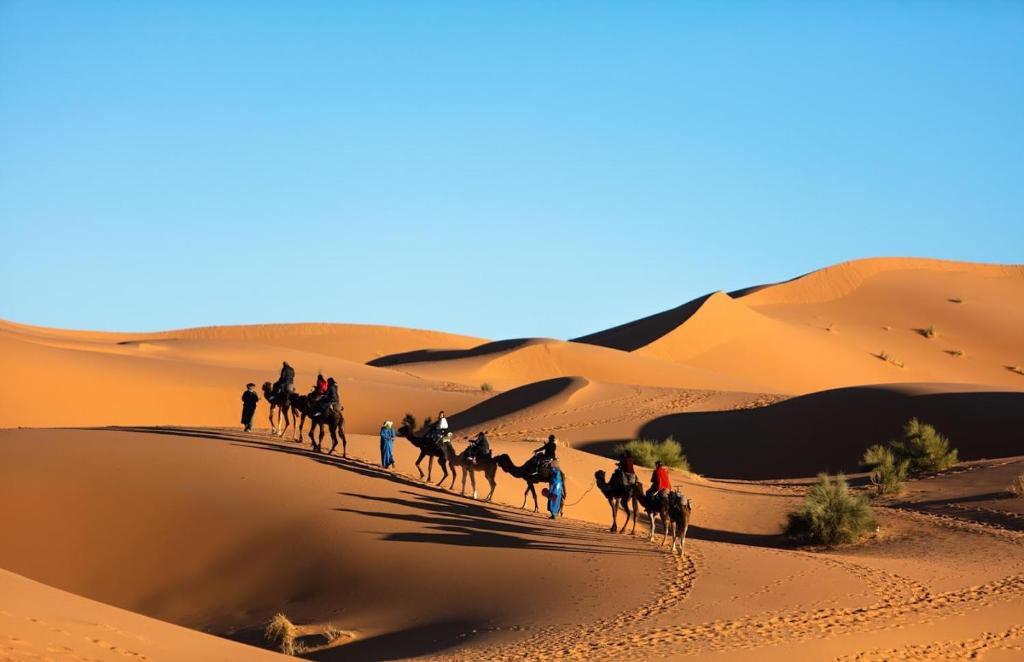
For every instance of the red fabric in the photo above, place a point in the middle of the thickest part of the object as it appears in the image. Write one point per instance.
(321, 386)
(661, 477)
(627, 465)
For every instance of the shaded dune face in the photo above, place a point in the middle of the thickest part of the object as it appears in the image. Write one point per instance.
(829, 431)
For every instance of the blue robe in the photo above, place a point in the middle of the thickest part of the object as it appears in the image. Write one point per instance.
(387, 445)
(556, 489)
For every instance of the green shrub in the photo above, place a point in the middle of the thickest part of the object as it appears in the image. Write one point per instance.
(486, 388)
(887, 471)
(924, 448)
(646, 452)
(831, 514)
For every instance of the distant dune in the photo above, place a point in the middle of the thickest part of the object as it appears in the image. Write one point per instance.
(175, 514)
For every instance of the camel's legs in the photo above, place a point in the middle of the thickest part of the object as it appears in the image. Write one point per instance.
(614, 503)
(420, 459)
(651, 516)
(526, 493)
(533, 491)
(430, 467)
(494, 484)
(465, 471)
(472, 479)
(664, 539)
(344, 439)
(270, 416)
(334, 438)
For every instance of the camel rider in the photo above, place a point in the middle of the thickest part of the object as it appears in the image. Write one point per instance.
(660, 484)
(546, 453)
(286, 382)
(627, 468)
(330, 400)
(321, 385)
(478, 447)
(442, 423)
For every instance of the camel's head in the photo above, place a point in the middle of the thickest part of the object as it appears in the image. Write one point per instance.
(599, 475)
(267, 386)
(403, 431)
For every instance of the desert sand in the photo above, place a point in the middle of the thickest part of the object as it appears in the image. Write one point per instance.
(141, 520)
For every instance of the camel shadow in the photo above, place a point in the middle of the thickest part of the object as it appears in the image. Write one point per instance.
(450, 522)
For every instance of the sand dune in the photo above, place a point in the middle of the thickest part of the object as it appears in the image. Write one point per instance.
(202, 526)
(829, 431)
(828, 329)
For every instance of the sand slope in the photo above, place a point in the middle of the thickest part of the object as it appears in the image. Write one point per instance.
(827, 329)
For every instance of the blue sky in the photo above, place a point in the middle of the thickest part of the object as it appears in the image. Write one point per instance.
(497, 169)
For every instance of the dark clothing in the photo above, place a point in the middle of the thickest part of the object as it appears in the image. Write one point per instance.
(626, 464)
(249, 400)
(287, 375)
(479, 447)
(548, 449)
(331, 396)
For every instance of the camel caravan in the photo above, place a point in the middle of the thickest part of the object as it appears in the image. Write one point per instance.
(322, 408)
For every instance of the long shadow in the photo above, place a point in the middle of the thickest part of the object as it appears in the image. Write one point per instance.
(471, 525)
(416, 641)
(990, 496)
(774, 540)
(424, 355)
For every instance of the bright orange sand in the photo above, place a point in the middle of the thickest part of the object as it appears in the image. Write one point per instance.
(118, 537)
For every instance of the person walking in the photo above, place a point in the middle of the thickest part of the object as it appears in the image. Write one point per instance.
(249, 400)
(556, 490)
(387, 445)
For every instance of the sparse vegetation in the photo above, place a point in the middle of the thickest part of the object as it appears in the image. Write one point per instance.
(1017, 486)
(281, 634)
(923, 448)
(830, 328)
(831, 514)
(332, 634)
(928, 331)
(889, 358)
(1015, 368)
(955, 300)
(957, 353)
(887, 327)
(646, 452)
(887, 472)
(486, 387)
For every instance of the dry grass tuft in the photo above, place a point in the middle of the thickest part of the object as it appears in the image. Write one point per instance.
(1017, 486)
(887, 327)
(281, 633)
(955, 300)
(928, 331)
(486, 387)
(1015, 368)
(889, 358)
(955, 352)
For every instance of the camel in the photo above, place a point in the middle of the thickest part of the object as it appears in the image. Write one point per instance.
(275, 405)
(619, 493)
(674, 513)
(429, 449)
(532, 472)
(303, 406)
(483, 463)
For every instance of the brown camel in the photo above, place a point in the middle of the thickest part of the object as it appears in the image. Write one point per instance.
(675, 515)
(332, 419)
(487, 464)
(533, 471)
(429, 449)
(278, 403)
(618, 492)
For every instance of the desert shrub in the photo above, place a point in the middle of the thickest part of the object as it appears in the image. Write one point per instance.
(486, 388)
(923, 448)
(887, 472)
(955, 352)
(281, 634)
(646, 452)
(1015, 368)
(889, 358)
(928, 331)
(1017, 486)
(831, 514)
(955, 300)
(409, 421)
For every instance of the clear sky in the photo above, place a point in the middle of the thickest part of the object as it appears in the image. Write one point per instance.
(497, 169)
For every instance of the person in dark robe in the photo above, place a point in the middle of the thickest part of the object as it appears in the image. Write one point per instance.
(249, 400)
